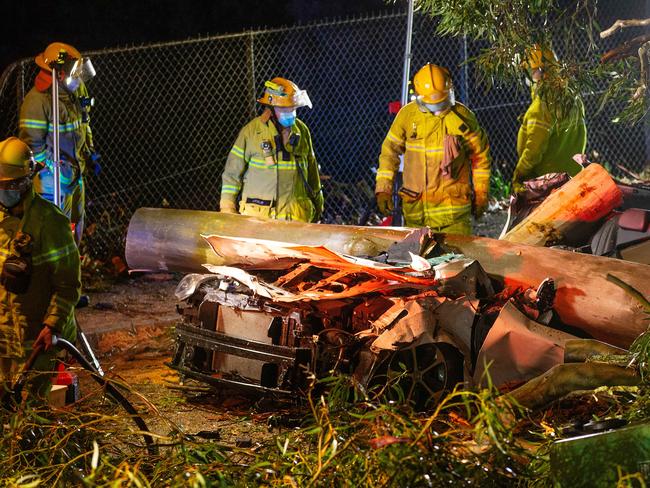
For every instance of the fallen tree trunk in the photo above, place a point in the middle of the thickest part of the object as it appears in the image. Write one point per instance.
(563, 379)
(585, 298)
(166, 239)
(570, 212)
(170, 240)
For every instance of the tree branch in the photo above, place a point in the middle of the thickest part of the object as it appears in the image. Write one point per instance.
(628, 48)
(622, 24)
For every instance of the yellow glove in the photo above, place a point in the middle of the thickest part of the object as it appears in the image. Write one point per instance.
(518, 186)
(227, 206)
(518, 183)
(385, 203)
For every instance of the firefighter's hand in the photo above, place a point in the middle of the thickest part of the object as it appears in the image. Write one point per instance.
(385, 203)
(44, 338)
(317, 216)
(518, 187)
(518, 182)
(227, 207)
(94, 163)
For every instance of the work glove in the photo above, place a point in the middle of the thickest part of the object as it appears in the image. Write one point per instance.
(384, 203)
(44, 338)
(318, 213)
(94, 163)
(518, 187)
(227, 206)
(518, 182)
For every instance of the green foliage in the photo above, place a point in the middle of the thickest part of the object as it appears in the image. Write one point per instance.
(640, 348)
(508, 30)
(499, 184)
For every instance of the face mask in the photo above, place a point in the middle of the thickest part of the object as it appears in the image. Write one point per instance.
(10, 198)
(437, 107)
(286, 119)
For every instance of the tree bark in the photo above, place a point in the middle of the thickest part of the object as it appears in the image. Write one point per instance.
(569, 212)
(579, 350)
(170, 240)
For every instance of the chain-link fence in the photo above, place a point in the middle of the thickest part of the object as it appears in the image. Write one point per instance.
(167, 114)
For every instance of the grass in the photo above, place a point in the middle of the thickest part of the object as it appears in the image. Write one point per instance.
(346, 438)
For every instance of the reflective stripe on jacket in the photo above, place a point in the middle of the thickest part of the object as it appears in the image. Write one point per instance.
(546, 144)
(75, 137)
(268, 178)
(55, 282)
(429, 198)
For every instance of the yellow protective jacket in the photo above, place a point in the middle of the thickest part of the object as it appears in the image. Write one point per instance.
(55, 281)
(268, 175)
(428, 197)
(546, 143)
(75, 135)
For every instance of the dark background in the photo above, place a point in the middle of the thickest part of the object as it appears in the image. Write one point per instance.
(30, 25)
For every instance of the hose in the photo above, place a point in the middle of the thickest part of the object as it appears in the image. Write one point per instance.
(15, 392)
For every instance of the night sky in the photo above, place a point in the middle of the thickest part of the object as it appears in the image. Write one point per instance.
(30, 25)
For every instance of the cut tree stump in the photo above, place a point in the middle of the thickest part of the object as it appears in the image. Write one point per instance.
(571, 211)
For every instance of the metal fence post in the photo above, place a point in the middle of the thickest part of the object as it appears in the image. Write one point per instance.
(398, 219)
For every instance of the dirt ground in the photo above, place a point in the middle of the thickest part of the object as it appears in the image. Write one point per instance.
(130, 326)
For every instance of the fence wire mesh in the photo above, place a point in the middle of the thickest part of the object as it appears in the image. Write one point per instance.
(167, 114)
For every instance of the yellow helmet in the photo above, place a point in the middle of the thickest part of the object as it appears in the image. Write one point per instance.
(432, 83)
(537, 57)
(56, 53)
(15, 159)
(280, 92)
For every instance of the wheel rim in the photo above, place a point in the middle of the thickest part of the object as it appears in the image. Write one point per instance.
(424, 377)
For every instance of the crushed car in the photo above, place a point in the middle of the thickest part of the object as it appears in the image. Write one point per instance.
(414, 315)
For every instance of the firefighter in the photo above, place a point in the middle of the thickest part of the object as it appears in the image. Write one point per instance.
(446, 158)
(39, 262)
(75, 136)
(547, 140)
(272, 167)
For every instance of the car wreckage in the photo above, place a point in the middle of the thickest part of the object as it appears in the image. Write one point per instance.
(300, 313)
(283, 303)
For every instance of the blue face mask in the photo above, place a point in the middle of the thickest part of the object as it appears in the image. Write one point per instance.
(10, 198)
(437, 107)
(286, 119)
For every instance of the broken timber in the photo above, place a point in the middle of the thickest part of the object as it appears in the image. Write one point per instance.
(170, 240)
(571, 210)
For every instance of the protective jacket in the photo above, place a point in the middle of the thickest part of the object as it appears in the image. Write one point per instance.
(55, 282)
(547, 143)
(75, 135)
(277, 179)
(431, 194)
